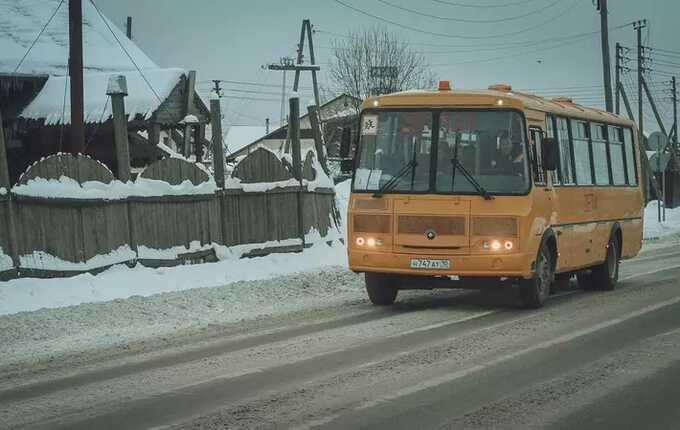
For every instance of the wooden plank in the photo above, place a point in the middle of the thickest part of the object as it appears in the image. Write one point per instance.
(4, 168)
(217, 144)
(261, 165)
(78, 167)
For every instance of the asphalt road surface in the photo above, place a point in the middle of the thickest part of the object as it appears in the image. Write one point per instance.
(443, 359)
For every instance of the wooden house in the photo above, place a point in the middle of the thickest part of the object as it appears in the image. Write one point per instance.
(34, 98)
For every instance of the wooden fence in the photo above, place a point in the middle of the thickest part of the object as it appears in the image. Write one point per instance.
(61, 235)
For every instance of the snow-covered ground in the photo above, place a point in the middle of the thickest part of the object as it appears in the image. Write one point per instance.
(654, 229)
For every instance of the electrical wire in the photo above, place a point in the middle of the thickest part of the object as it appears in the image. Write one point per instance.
(126, 51)
(452, 36)
(63, 113)
(96, 128)
(483, 6)
(472, 21)
(42, 30)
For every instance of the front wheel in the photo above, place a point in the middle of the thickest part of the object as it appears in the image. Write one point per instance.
(534, 292)
(381, 289)
(606, 275)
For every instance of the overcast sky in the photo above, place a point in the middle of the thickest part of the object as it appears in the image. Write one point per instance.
(232, 39)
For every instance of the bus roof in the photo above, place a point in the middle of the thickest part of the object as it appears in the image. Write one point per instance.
(497, 96)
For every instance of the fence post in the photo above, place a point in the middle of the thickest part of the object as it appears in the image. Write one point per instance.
(5, 183)
(319, 144)
(117, 90)
(188, 110)
(217, 146)
(4, 168)
(294, 132)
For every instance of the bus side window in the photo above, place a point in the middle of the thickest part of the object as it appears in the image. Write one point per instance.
(535, 151)
(550, 132)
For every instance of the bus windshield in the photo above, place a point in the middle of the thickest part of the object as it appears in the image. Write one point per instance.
(483, 146)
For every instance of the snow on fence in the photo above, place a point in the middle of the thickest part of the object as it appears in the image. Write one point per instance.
(70, 215)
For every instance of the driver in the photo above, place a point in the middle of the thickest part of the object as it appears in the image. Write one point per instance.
(509, 157)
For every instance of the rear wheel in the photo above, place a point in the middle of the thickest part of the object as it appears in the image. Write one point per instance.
(606, 275)
(535, 291)
(381, 288)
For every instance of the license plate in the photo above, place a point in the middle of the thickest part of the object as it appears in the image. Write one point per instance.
(424, 263)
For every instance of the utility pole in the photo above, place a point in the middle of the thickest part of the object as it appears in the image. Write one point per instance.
(617, 83)
(638, 26)
(75, 71)
(217, 88)
(675, 111)
(128, 28)
(606, 69)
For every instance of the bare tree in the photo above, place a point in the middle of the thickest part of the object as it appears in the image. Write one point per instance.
(376, 62)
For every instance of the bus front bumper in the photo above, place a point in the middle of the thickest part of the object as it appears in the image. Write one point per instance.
(515, 265)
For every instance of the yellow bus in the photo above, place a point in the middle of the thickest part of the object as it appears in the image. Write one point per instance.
(491, 185)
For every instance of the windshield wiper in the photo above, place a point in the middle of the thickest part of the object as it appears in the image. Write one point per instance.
(387, 186)
(458, 165)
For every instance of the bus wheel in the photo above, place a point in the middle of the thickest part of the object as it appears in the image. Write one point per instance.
(535, 291)
(381, 289)
(606, 274)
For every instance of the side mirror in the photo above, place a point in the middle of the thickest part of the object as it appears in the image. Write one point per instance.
(345, 142)
(549, 154)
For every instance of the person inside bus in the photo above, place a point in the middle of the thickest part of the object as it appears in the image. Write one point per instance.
(509, 157)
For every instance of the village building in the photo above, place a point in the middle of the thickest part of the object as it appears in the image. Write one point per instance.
(34, 89)
(335, 114)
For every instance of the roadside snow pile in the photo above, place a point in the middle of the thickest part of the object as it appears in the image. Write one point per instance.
(5, 261)
(69, 188)
(121, 282)
(44, 261)
(657, 230)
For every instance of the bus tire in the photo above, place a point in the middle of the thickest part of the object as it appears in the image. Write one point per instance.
(606, 275)
(534, 292)
(381, 289)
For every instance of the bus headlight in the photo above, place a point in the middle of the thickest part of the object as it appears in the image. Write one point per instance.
(497, 245)
(370, 242)
(508, 245)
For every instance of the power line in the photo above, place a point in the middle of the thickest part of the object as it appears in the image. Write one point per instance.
(483, 6)
(42, 30)
(126, 51)
(489, 46)
(452, 36)
(472, 21)
(513, 55)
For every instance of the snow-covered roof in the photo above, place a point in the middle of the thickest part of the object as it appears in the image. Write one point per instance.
(21, 21)
(141, 100)
(240, 136)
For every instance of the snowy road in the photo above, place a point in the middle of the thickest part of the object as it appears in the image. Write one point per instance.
(452, 359)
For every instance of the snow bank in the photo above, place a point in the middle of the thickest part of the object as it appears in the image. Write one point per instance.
(44, 261)
(69, 188)
(5, 261)
(141, 100)
(655, 229)
(121, 282)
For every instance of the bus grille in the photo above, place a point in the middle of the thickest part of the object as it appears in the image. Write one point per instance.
(372, 223)
(442, 225)
(494, 226)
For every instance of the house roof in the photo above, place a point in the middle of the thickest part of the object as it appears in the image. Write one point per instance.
(21, 21)
(50, 103)
(279, 133)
